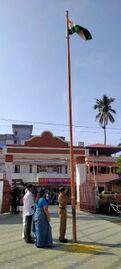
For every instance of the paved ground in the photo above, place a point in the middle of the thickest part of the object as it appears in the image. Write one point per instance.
(99, 244)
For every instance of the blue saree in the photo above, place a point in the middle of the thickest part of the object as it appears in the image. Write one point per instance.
(43, 231)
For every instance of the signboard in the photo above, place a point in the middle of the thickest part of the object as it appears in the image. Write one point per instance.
(54, 181)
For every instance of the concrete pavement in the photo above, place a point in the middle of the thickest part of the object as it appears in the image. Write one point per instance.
(99, 244)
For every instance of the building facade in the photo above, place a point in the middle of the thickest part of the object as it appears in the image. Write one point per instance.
(43, 161)
(100, 169)
(20, 133)
(101, 165)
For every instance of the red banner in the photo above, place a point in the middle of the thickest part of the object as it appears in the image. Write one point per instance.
(54, 181)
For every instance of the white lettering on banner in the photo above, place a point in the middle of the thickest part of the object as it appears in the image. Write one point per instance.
(8, 171)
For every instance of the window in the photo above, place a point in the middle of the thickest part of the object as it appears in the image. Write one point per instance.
(54, 169)
(104, 170)
(50, 169)
(41, 169)
(66, 169)
(59, 169)
(113, 170)
(109, 187)
(15, 137)
(17, 169)
(15, 133)
(91, 169)
(100, 189)
(38, 169)
(30, 168)
(99, 170)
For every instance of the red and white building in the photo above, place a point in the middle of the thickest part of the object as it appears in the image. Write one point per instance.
(101, 164)
(44, 161)
(100, 170)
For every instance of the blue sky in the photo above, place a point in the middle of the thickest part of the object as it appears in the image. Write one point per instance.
(33, 66)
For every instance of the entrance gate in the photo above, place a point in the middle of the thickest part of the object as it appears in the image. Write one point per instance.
(88, 197)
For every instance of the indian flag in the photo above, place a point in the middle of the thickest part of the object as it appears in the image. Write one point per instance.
(81, 31)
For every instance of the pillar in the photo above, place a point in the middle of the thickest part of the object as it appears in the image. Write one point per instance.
(1, 194)
(80, 176)
(7, 182)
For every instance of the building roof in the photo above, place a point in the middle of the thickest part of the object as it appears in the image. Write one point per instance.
(115, 181)
(45, 145)
(103, 149)
(22, 126)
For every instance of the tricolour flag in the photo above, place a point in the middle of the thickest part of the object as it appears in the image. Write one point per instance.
(81, 31)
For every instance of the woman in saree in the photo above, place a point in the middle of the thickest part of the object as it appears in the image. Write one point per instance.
(43, 233)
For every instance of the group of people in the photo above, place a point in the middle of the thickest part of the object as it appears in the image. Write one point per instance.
(36, 217)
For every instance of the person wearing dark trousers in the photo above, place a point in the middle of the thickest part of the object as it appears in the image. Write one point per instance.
(27, 229)
(62, 201)
(15, 193)
(28, 211)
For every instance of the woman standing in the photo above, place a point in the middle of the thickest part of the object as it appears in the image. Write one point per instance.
(42, 226)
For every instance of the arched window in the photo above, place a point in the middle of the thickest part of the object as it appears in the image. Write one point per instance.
(113, 170)
(105, 170)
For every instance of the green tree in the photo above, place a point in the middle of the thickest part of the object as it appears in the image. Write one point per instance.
(104, 112)
(118, 164)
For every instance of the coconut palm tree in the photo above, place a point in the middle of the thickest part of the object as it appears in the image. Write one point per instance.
(104, 112)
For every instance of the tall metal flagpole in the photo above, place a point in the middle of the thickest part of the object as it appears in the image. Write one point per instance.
(71, 135)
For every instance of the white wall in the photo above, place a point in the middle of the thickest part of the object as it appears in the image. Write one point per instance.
(1, 194)
(80, 177)
(26, 177)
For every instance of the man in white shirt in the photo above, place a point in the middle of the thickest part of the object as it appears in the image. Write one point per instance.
(28, 211)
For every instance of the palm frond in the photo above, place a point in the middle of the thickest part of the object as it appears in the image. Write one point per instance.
(112, 110)
(111, 118)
